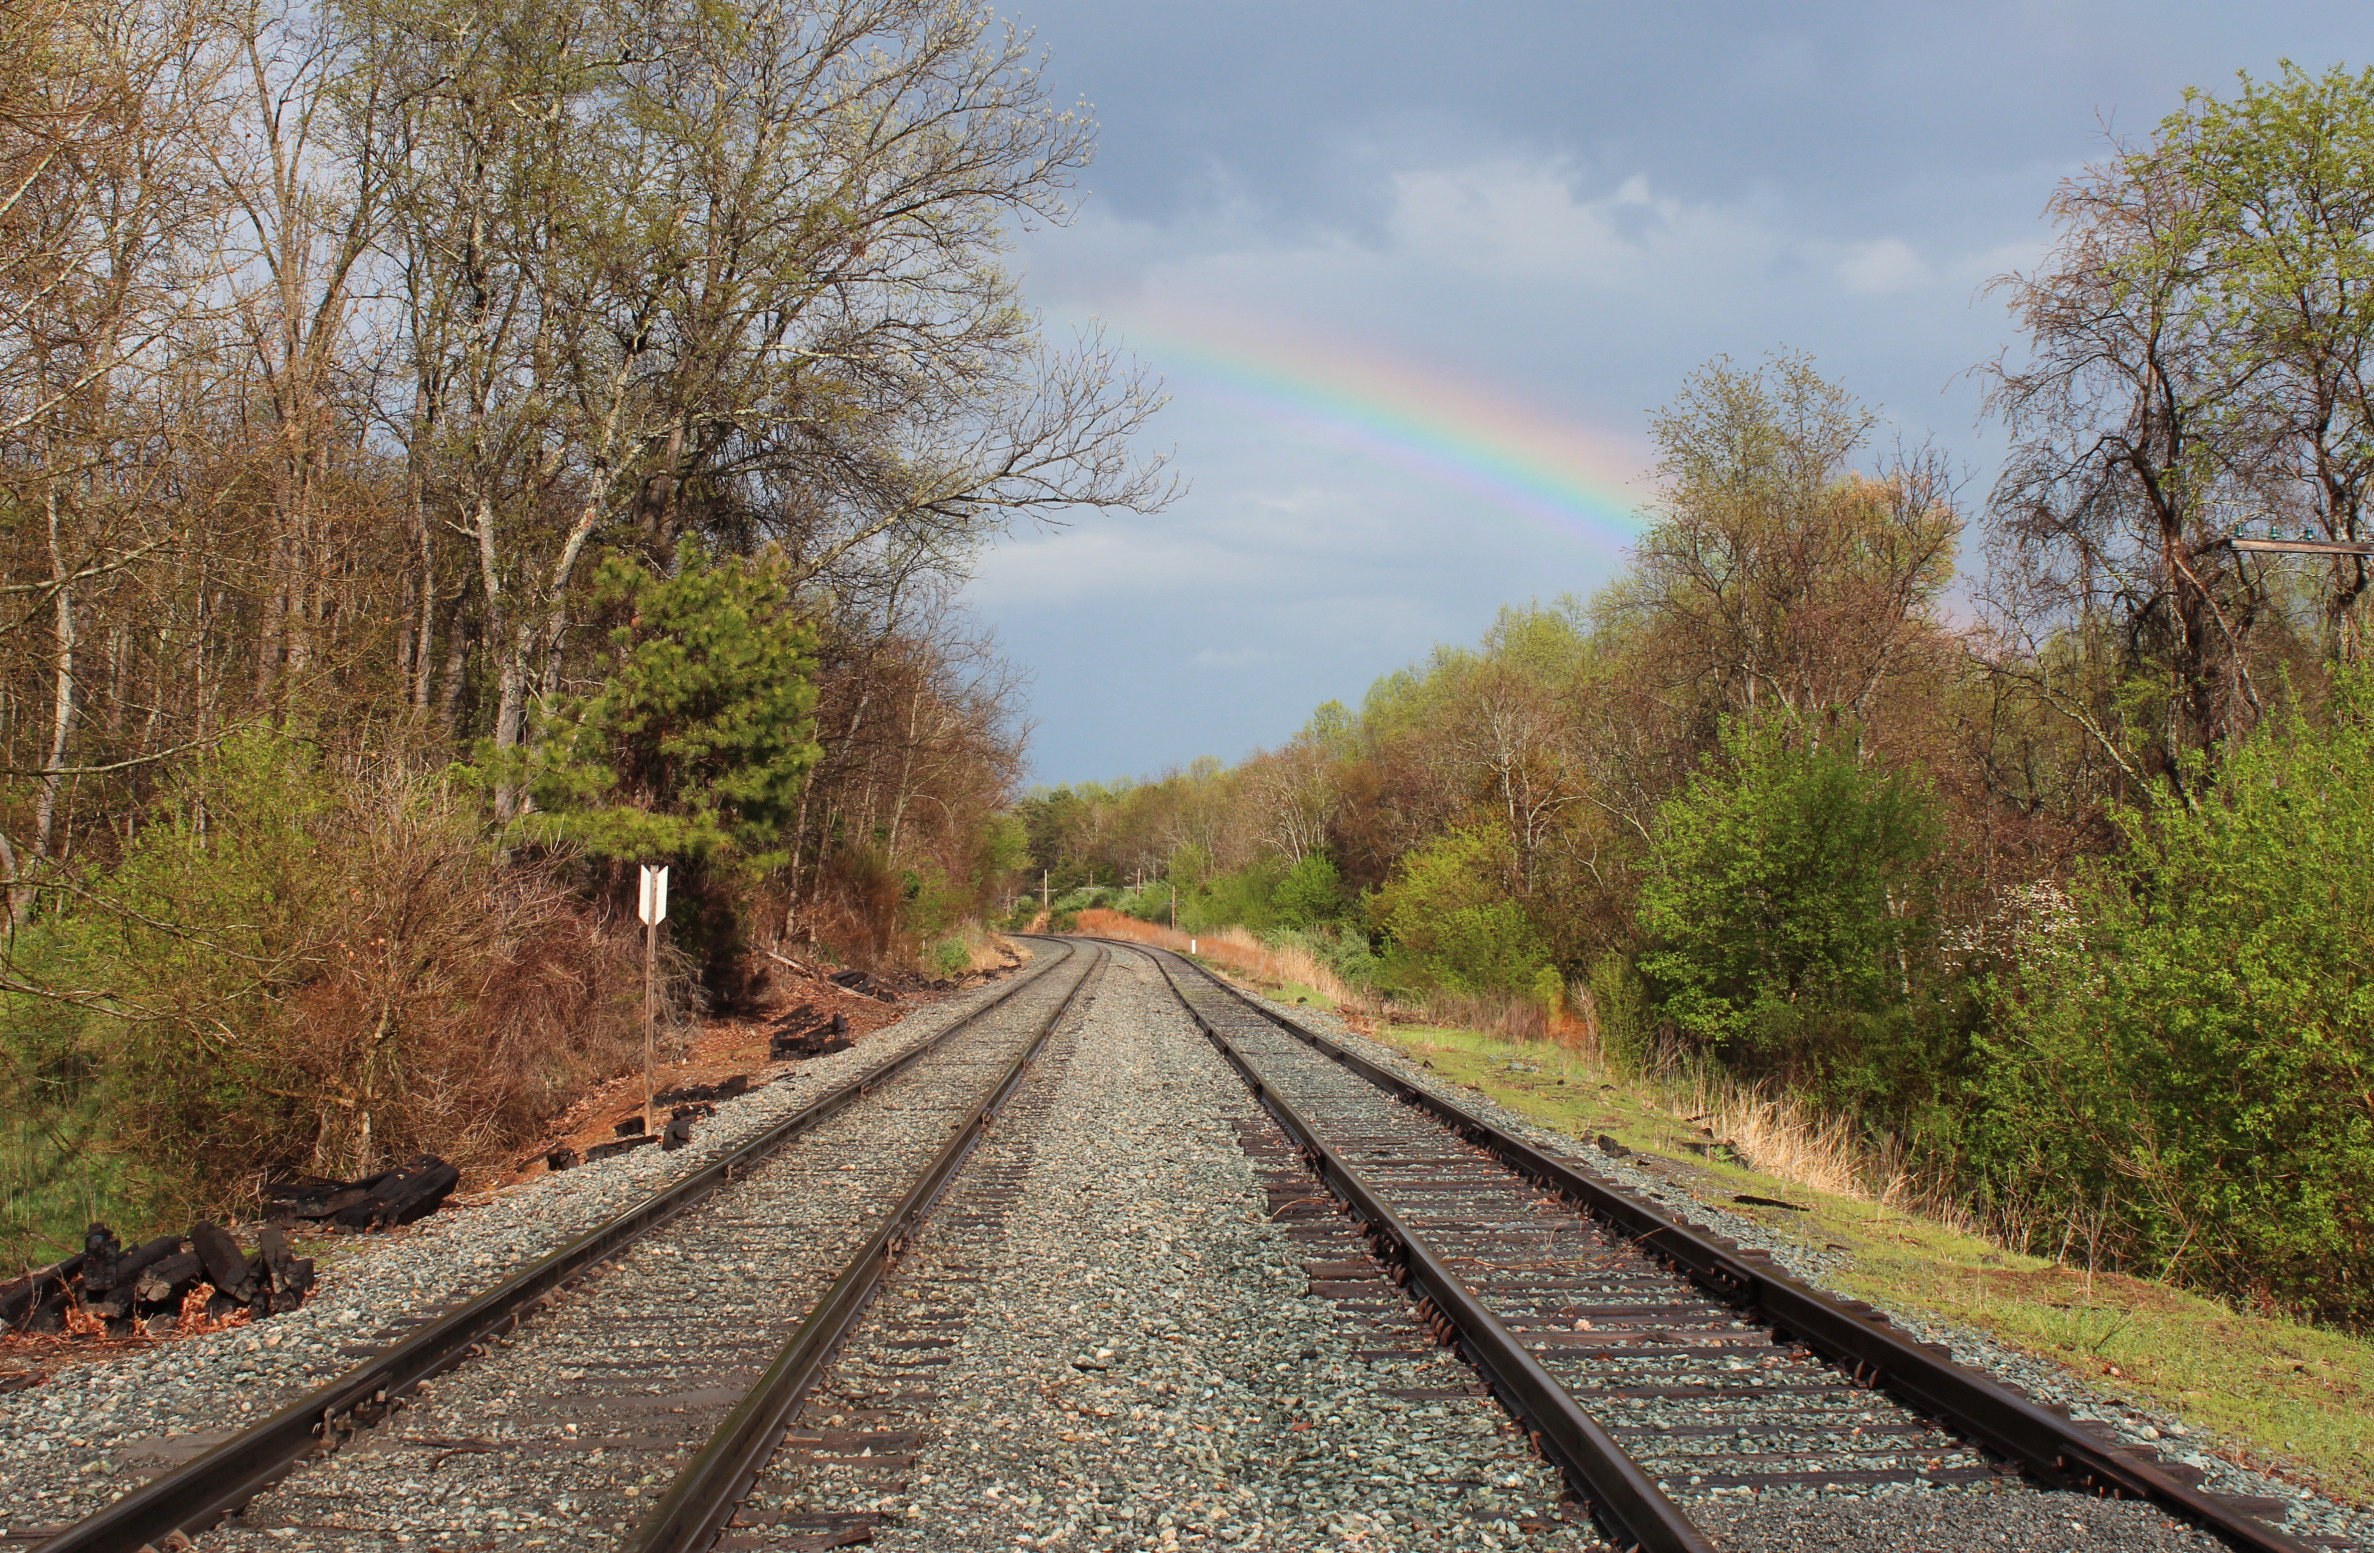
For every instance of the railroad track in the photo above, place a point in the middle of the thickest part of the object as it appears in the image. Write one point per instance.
(858, 1436)
(707, 1308)
(1045, 1370)
(1673, 1376)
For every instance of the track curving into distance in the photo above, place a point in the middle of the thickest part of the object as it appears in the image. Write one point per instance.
(1672, 1375)
(693, 1291)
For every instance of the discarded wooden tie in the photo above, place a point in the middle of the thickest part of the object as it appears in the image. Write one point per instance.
(805, 1033)
(413, 1190)
(145, 1287)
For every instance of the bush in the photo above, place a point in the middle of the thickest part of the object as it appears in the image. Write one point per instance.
(1450, 922)
(1788, 923)
(301, 965)
(1311, 893)
(1239, 899)
(1620, 1004)
(2187, 1056)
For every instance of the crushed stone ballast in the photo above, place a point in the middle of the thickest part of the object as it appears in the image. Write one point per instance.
(588, 1217)
(1660, 1363)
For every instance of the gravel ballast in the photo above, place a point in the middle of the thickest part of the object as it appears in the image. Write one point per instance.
(2038, 1519)
(69, 1446)
(1133, 1358)
(1106, 1337)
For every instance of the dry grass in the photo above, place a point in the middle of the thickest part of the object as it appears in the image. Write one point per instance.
(1781, 1135)
(987, 950)
(1520, 1019)
(1776, 1132)
(1234, 949)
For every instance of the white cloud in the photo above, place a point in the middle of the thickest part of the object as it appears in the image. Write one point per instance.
(1291, 513)
(1505, 224)
(1887, 265)
(1517, 219)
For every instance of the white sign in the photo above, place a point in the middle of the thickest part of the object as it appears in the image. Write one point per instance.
(651, 902)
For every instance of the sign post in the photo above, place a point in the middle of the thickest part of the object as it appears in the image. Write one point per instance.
(651, 904)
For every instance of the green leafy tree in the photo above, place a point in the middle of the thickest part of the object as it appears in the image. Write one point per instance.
(1452, 922)
(1787, 894)
(2190, 1056)
(696, 745)
(1311, 893)
(2285, 231)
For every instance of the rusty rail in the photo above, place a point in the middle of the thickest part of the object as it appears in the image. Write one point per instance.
(196, 1494)
(2057, 1450)
(1627, 1501)
(703, 1497)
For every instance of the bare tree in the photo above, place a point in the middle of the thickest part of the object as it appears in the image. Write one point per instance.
(108, 119)
(1776, 578)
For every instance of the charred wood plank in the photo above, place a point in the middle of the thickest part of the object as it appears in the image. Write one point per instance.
(291, 1276)
(164, 1281)
(225, 1263)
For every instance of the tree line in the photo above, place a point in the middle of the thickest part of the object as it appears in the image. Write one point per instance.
(2042, 855)
(450, 453)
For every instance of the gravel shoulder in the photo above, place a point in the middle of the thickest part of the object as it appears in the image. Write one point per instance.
(92, 1431)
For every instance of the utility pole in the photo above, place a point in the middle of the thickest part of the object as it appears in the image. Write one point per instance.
(651, 904)
(1045, 901)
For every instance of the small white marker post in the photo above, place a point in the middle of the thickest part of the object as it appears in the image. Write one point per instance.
(651, 904)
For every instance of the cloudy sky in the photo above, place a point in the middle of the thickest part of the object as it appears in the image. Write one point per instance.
(1415, 274)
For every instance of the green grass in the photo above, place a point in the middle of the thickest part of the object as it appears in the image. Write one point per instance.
(54, 1182)
(2274, 1393)
(1298, 992)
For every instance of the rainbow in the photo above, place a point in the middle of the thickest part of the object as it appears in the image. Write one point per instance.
(1576, 482)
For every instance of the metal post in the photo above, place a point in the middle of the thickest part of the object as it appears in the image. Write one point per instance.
(651, 904)
(650, 1020)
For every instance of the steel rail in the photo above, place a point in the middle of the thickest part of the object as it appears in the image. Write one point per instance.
(1627, 1501)
(196, 1494)
(705, 1494)
(1990, 1413)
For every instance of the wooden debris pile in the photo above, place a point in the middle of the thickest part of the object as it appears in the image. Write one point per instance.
(413, 1190)
(806, 1033)
(147, 1288)
(698, 1104)
(691, 1094)
(865, 984)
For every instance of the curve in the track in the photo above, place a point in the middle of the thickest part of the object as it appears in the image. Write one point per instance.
(1691, 1382)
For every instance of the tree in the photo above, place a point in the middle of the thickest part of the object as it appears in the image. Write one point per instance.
(696, 744)
(1775, 578)
(1787, 890)
(2287, 242)
(2197, 361)
(111, 269)
(735, 271)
